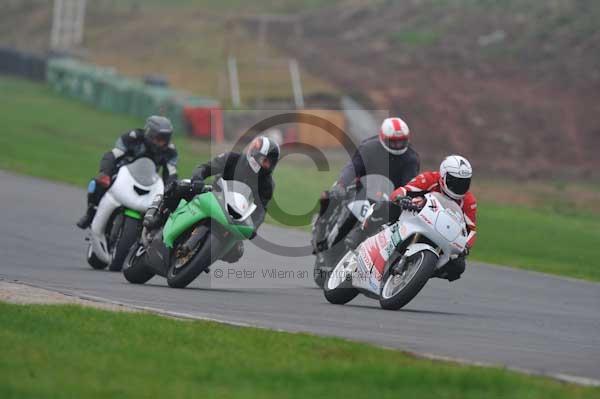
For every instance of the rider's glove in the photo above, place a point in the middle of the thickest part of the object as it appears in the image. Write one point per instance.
(150, 218)
(466, 252)
(409, 204)
(403, 202)
(103, 180)
(338, 191)
(197, 187)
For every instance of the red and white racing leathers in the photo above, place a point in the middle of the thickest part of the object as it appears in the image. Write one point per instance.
(430, 181)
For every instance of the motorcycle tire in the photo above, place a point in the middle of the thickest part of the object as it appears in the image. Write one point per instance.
(134, 269)
(427, 261)
(93, 260)
(130, 230)
(202, 256)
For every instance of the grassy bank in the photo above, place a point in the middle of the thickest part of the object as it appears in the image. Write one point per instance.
(48, 136)
(69, 351)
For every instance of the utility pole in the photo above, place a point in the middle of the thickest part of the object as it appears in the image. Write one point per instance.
(68, 22)
(234, 84)
(296, 83)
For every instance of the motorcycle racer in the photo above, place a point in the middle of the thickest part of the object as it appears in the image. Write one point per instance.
(388, 154)
(153, 141)
(453, 180)
(254, 166)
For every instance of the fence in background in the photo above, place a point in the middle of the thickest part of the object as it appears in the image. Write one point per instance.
(19, 63)
(110, 91)
(107, 90)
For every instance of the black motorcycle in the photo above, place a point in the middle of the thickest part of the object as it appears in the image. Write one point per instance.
(343, 214)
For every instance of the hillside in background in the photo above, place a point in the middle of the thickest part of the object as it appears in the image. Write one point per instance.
(188, 42)
(513, 84)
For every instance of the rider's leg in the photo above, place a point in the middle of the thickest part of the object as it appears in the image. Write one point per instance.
(94, 195)
(164, 204)
(323, 203)
(383, 213)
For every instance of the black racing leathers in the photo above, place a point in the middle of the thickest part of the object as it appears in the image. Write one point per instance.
(133, 145)
(371, 158)
(233, 166)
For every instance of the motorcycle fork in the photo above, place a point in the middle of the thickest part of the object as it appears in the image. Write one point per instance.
(191, 243)
(400, 267)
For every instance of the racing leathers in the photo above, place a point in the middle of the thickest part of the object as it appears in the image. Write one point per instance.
(428, 182)
(128, 148)
(230, 166)
(371, 158)
(419, 186)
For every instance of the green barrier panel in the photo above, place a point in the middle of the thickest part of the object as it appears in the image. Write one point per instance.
(105, 89)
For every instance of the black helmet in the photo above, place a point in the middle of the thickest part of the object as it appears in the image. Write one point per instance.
(262, 154)
(158, 131)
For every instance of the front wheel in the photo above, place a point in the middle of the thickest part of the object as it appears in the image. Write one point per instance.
(398, 289)
(187, 263)
(130, 230)
(134, 269)
(338, 287)
(93, 260)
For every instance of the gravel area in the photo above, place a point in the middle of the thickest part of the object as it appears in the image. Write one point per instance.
(23, 294)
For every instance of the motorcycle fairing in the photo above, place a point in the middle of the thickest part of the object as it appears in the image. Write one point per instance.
(200, 207)
(373, 255)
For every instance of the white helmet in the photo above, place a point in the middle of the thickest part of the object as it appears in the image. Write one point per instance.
(394, 135)
(455, 176)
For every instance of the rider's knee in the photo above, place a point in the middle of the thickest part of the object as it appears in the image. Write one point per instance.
(95, 192)
(452, 270)
(456, 268)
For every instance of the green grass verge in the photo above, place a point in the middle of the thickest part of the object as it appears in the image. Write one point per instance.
(541, 240)
(52, 137)
(75, 352)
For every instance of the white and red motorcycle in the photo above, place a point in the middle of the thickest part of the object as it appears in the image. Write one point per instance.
(396, 263)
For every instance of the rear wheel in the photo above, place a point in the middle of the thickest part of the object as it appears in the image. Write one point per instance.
(127, 236)
(398, 289)
(134, 269)
(93, 260)
(338, 285)
(191, 257)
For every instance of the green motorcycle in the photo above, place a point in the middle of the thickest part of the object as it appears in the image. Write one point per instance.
(195, 235)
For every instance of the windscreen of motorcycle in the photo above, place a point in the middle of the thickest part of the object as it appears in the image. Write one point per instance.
(238, 197)
(143, 171)
(375, 187)
(449, 222)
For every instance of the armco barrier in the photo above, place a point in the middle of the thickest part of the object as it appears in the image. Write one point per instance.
(107, 90)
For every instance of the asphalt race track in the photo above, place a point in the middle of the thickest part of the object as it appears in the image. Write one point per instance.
(496, 315)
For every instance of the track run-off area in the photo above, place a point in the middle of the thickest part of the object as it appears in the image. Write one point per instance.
(493, 315)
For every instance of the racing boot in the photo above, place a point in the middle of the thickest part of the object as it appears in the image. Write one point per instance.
(152, 218)
(235, 253)
(86, 220)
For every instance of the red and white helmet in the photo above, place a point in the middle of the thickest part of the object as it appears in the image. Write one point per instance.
(394, 135)
(455, 176)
